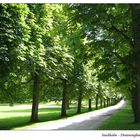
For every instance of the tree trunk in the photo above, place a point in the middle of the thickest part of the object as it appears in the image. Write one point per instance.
(79, 101)
(107, 102)
(101, 103)
(97, 95)
(68, 104)
(104, 103)
(64, 99)
(35, 102)
(89, 105)
(97, 98)
(133, 103)
(110, 100)
(136, 103)
(135, 9)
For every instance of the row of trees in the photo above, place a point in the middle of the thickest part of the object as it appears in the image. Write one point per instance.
(114, 33)
(66, 52)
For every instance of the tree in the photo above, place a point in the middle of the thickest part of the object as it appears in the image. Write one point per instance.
(110, 32)
(56, 52)
(135, 10)
(13, 32)
(60, 53)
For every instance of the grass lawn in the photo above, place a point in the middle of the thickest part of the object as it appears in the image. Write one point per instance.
(19, 115)
(122, 120)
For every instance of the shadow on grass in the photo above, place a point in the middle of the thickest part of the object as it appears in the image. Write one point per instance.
(21, 121)
(50, 115)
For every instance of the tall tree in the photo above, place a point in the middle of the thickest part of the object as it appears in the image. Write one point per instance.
(135, 10)
(110, 32)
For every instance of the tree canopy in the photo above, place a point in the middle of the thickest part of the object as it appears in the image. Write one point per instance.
(64, 52)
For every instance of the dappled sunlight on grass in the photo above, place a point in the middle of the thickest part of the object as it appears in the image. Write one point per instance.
(64, 122)
(77, 119)
(19, 115)
(7, 111)
(6, 107)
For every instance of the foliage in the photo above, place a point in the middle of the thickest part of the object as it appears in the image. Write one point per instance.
(88, 45)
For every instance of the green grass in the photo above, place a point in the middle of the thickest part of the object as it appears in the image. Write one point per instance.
(122, 120)
(19, 115)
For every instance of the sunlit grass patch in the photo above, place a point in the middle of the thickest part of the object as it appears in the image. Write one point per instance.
(19, 115)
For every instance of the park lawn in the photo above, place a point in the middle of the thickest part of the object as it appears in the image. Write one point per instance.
(19, 115)
(122, 120)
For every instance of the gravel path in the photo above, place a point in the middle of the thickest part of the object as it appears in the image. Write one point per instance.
(86, 121)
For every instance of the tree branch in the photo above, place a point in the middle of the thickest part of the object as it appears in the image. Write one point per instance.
(122, 33)
(123, 61)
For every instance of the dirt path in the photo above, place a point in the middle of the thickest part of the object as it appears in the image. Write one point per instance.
(87, 121)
